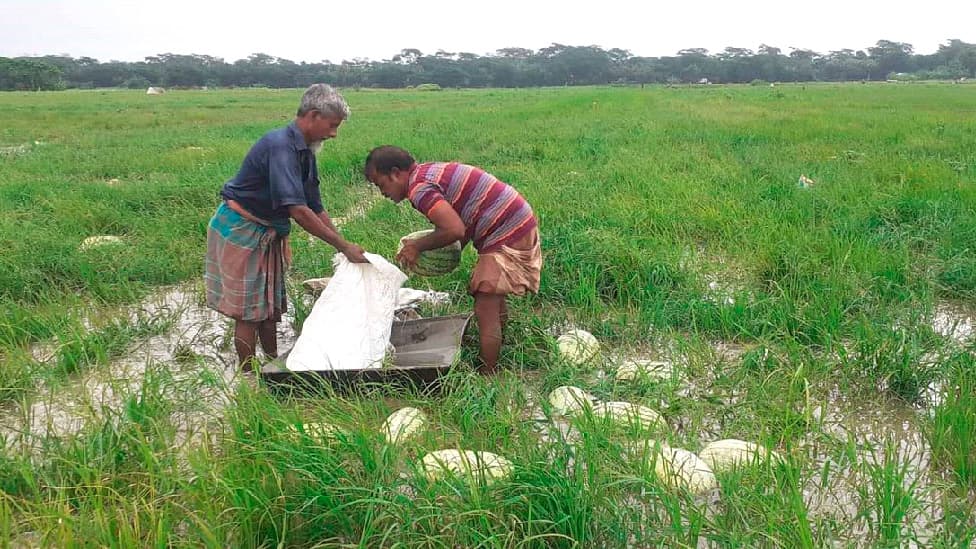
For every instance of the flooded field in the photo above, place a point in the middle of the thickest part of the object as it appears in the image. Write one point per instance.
(829, 324)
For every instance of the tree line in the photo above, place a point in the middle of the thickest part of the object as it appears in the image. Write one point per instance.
(556, 65)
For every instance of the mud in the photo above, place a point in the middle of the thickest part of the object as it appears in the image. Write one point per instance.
(193, 363)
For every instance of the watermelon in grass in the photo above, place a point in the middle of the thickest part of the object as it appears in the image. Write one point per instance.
(434, 262)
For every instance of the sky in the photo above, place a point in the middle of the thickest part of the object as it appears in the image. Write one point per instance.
(334, 30)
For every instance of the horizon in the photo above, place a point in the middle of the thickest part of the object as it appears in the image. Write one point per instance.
(114, 30)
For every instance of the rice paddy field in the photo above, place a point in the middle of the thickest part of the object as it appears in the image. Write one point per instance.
(830, 322)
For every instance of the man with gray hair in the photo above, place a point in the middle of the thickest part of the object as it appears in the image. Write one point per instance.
(247, 239)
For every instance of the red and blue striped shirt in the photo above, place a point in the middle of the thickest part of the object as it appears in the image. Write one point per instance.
(493, 212)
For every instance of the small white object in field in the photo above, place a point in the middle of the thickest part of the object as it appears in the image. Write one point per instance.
(403, 424)
(628, 413)
(578, 346)
(632, 369)
(727, 454)
(102, 240)
(805, 182)
(320, 431)
(682, 469)
(484, 466)
(408, 297)
(155, 91)
(568, 400)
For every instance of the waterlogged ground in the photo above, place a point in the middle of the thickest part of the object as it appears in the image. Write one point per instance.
(831, 322)
(849, 444)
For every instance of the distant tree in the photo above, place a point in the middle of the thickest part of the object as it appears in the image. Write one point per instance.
(892, 57)
(407, 56)
(556, 64)
(29, 74)
(515, 53)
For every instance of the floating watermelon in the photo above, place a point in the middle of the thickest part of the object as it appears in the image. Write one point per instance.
(730, 453)
(434, 262)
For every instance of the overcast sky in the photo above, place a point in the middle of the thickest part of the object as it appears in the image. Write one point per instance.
(128, 30)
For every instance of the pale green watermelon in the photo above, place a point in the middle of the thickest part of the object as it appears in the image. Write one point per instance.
(434, 262)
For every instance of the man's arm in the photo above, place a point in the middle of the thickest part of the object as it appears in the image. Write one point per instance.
(324, 217)
(448, 228)
(314, 224)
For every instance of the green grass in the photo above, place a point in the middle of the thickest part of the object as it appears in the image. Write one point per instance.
(672, 227)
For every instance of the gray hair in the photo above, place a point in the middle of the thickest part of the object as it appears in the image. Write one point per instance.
(325, 99)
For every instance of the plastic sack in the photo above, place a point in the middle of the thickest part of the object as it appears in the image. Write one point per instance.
(349, 326)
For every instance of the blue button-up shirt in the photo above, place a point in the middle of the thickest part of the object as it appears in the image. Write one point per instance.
(279, 171)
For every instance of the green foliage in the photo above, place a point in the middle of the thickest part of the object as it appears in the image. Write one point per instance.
(554, 65)
(672, 228)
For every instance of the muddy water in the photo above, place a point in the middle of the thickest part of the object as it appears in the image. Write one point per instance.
(856, 436)
(193, 362)
(849, 438)
(196, 355)
(954, 321)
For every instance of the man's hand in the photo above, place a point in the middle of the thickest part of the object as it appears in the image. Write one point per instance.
(354, 253)
(409, 254)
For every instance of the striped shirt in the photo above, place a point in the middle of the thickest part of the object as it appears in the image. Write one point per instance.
(494, 213)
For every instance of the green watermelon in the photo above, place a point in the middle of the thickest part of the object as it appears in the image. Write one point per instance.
(434, 262)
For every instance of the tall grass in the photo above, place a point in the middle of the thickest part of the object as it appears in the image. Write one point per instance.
(673, 228)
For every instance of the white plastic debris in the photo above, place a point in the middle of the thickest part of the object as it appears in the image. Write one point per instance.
(408, 297)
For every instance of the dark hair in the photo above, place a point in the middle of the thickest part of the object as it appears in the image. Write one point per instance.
(382, 160)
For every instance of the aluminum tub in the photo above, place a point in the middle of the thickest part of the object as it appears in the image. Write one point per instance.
(426, 348)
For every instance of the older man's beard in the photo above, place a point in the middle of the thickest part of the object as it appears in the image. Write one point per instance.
(316, 146)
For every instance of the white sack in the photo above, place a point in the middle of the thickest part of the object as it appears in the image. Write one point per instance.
(349, 326)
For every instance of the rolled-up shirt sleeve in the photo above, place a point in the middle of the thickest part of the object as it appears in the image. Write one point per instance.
(425, 196)
(285, 175)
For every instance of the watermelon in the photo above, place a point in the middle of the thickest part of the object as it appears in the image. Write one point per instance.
(644, 369)
(578, 347)
(568, 400)
(403, 424)
(626, 413)
(483, 466)
(730, 453)
(317, 431)
(440, 261)
(679, 468)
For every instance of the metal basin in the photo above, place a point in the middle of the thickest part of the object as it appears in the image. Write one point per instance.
(426, 348)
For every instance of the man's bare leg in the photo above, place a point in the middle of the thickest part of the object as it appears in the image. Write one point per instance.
(268, 333)
(488, 310)
(245, 341)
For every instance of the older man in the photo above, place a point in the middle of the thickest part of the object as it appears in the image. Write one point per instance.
(247, 240)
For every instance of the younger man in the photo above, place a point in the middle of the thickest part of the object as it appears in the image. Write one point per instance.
(468, 204)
